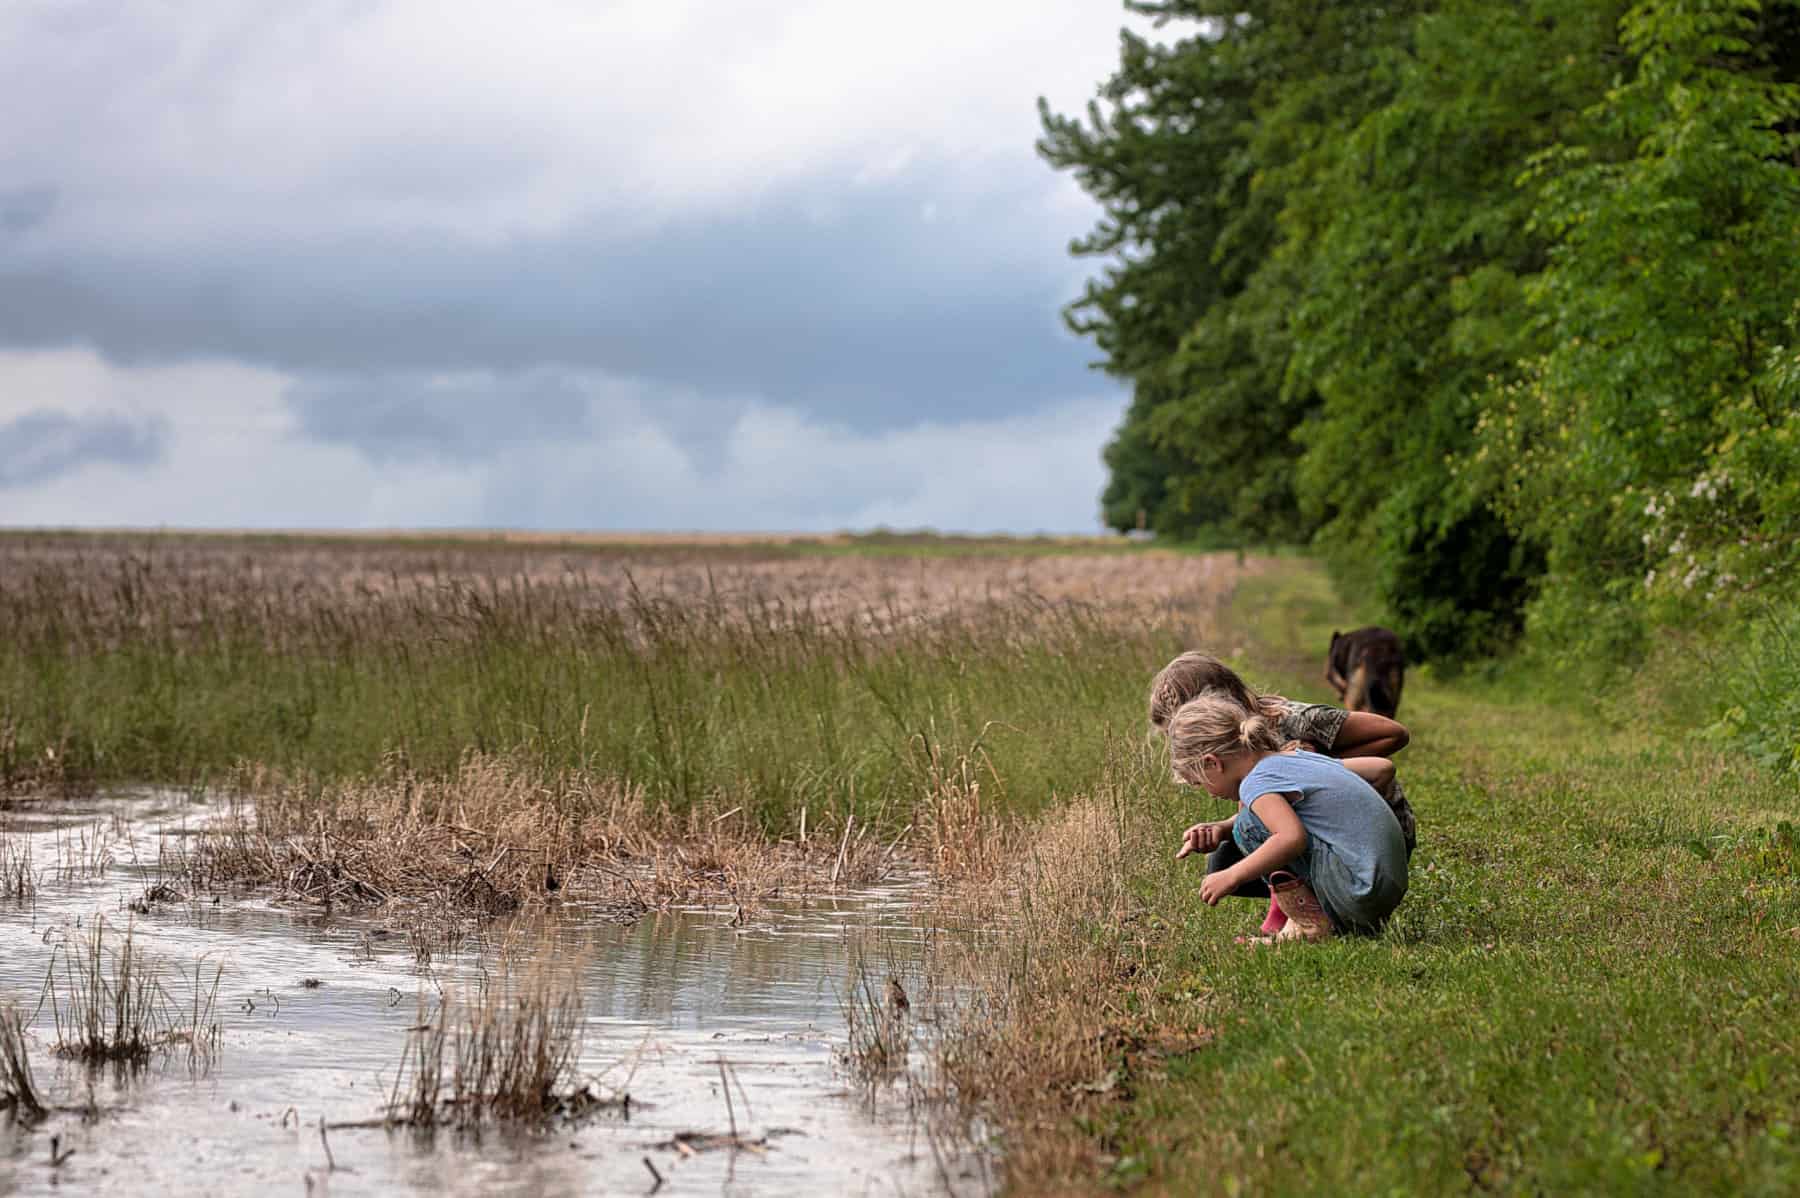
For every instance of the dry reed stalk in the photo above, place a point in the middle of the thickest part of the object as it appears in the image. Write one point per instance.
(1027, 991)
(506, 1053)
(83, 851)
(17, 879)
(102, 1015)
(113, 1007)
(960, 838)
(18, 1092)
(498, 837)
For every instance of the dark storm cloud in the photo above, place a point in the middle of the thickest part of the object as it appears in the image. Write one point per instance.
(41, 445)
(877, 307)
(400, 417)
(778, 263)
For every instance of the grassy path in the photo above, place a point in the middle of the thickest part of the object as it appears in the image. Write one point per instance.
(1593, 986)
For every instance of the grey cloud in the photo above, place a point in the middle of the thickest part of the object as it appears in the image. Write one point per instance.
(41, 445)
(778, 470)
(837, 299)
(397, 417)
(25, 208)
(814, 306)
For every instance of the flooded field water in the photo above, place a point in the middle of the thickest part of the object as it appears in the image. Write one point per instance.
(315, 1008)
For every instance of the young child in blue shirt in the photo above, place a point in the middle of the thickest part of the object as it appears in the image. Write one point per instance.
(1329, 847)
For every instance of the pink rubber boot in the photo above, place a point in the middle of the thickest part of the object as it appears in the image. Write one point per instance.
(1276, 920)
(1306, 917)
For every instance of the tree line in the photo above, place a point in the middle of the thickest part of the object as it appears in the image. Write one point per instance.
(1495, 303)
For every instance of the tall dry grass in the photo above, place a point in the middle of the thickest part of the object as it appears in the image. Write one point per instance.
(1031, 995)
(1049, 1001)
(112, 1002)
(505, 1052)
(497, 837)
(775, 686)
(18, 1090)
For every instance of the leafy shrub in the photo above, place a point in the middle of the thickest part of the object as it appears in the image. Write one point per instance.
(1762, 691)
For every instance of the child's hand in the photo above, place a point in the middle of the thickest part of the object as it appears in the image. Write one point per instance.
(1194, 840)
(1201, 838)
(1216, 886)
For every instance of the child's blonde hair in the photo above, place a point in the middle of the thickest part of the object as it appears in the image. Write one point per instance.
(1194, 674)
(1216, 724)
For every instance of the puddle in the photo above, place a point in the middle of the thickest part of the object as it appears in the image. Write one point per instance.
(666, 999)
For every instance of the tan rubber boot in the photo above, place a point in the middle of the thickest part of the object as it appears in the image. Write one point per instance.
(1306, 916)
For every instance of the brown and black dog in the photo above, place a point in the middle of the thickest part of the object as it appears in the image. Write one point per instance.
(1367, 668)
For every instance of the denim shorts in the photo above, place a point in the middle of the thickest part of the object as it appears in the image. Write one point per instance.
(1354, 906)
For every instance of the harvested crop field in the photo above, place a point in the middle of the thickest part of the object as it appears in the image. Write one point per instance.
(173, 581)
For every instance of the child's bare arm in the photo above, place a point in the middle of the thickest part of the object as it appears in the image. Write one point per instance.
(1366, 734)
(1376, 771)
(1287, 840)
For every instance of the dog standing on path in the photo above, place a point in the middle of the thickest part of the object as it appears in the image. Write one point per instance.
(1367, 668)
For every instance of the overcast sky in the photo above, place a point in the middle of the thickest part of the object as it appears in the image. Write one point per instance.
(612, 264)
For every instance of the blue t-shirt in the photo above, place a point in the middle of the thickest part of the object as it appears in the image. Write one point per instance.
(1339, 811)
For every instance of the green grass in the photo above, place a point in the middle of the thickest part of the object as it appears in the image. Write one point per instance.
(1592, 987)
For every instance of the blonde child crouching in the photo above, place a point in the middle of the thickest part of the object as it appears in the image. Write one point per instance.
(1315, 836)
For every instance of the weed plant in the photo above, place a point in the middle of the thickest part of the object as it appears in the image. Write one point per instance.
(1760, 690)
(18, 881)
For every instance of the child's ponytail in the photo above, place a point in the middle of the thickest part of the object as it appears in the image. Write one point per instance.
(1216, 725)
(1258, 734)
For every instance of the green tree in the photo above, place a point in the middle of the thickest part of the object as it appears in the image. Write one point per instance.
(1651, 446)
(1191, 149)
(1494, 301)
(1417, 246)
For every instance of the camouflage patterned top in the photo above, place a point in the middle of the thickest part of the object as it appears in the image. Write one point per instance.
(1316, 725)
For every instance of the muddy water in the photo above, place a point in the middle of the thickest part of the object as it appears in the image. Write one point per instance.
(314, 1012)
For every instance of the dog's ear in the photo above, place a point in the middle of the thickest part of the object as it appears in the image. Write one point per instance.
(1336, 636)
